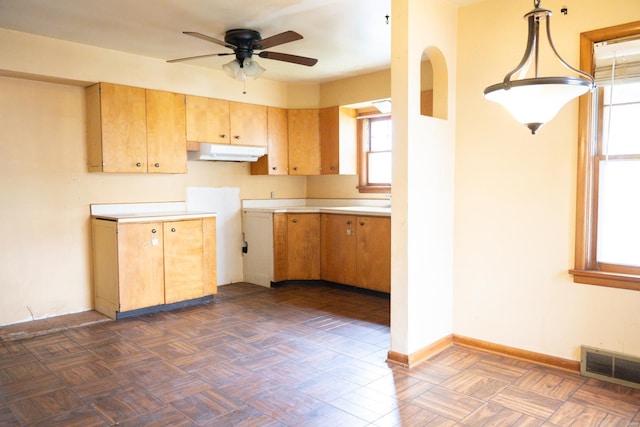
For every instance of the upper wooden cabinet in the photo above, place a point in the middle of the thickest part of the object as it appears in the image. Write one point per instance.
(276, 162)
(134, 130)
(116, 128)
(338, 141)
(225, 122)
(207, 120)
(248, 124)
(304, 142)
(166, 132)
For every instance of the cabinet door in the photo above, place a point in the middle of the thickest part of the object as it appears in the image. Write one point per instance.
(303, 246)
(277, 159)
(140, 265)
(166, 133)
(374, 253)
(248, 124)
(304, 142)
(209, 254)
(338, 141)
(280, 257)
(338, 242)
(183, 260)
(207, 120)
(117, 128)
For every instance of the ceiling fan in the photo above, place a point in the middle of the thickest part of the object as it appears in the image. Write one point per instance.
(244, 42)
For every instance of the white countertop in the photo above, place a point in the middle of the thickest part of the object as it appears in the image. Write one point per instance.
(146, 212)
(344, 210)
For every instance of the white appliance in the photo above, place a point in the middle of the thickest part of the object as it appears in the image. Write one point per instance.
(227, 152)
(257, 230)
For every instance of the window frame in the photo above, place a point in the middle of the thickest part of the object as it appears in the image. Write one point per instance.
(586, 269)
(363, 166)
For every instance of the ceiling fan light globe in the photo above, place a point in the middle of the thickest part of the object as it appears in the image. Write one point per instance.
(251, 68)
(231, 69)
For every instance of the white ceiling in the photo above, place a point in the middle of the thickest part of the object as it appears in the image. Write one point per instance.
(348, 37)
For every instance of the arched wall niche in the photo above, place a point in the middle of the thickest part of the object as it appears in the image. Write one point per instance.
(434, 84)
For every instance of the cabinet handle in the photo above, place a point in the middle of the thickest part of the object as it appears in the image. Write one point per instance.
(138, 165)
(294, 221)
(157, 165)
(236, 137)
(348, 222)
(295, 168)
(223, 136)
(332, 168)
(153, 230)
(361, 223)
(173, 229)
(275, 168)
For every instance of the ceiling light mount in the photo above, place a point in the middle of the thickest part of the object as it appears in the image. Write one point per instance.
(533, 101)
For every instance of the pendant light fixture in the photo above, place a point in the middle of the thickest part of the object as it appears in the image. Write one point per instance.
(533, 101)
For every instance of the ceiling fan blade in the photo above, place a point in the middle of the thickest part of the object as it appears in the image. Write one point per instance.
(302, 60)
(199, 56)
(209, 39)
(286, 37)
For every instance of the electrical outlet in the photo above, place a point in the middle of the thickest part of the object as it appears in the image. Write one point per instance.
(273, 194)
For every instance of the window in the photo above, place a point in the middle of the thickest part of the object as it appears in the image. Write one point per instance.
(608, 204)
(374, 141)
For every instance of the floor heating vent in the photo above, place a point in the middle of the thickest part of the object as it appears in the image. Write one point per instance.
(609, 366)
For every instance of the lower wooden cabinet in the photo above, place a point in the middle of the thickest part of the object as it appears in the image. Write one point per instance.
(297, 246)
(347, 249)
(373, 253)
(338, 239)
(137, 265)
(356, 250)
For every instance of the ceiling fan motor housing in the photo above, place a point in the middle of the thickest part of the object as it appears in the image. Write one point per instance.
(244, 41)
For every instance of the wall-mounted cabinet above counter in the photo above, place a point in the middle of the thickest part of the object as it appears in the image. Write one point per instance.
(137, 130)
(309, 142)
(219, 121)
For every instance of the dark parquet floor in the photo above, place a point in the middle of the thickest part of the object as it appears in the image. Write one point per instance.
(296, 355)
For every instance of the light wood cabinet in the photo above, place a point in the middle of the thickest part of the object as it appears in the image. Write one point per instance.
(338, 141)
(134, 130)
(304, 142)
(138, 265)
(166, 132)
(373, 253)
(356, 250)
(276, 162)
(296, 246)
(207, 120)
(248, 124)
(338, 242)
(218, 121)
(116, 128)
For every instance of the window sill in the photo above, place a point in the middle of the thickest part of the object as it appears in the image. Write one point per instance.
(602, 278)
(374, 189)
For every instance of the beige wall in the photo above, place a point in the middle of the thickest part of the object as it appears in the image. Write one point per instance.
(515, 197)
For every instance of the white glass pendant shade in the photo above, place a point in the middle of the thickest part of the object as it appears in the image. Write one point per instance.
(231, 69)
(252, 68)
(534, 102)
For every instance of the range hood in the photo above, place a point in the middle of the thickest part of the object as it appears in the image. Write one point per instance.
(228, 153)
